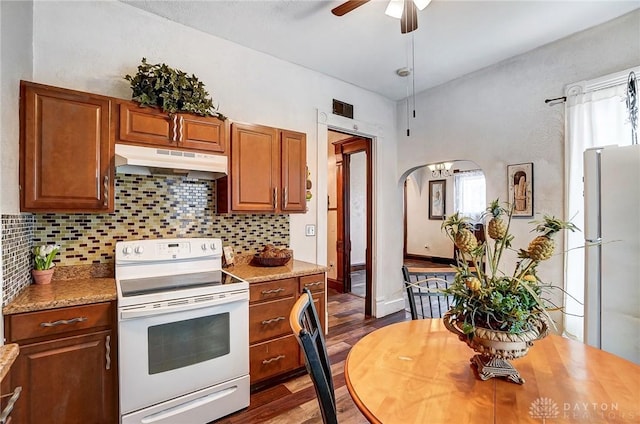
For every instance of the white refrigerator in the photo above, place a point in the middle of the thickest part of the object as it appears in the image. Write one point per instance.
(612, 252)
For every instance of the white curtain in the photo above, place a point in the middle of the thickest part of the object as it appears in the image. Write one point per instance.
(593, 119)
(469, 193)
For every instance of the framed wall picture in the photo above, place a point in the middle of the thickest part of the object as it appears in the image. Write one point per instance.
(437, 197)
(520, 182)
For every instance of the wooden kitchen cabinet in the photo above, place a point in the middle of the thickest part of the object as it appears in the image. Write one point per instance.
(67, 365)
(268, 171)
(273, 349)
(152, 126)
(66, 150)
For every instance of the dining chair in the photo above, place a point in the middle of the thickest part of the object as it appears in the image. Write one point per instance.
(422, 293)
(308, 331)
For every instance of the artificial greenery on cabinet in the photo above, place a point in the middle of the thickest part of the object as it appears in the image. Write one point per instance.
(171, 89)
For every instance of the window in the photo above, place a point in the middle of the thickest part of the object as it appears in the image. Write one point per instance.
(469, 194)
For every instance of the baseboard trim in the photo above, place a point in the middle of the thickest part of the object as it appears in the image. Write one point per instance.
(335, 284)
(358, 267)
(389, 307)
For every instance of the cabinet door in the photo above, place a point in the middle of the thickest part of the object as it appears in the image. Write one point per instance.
(203, 133)
(146, 125)
(293, 147)
(66, 150)
(69, 380)
(255, 177)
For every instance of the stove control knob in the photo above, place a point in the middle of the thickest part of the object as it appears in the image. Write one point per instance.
(204, 246)
(213, 246)
(139, 249)
(127, 250)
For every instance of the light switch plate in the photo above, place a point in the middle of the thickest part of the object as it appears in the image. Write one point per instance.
(310, 230)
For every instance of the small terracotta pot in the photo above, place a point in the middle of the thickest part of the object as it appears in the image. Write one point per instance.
(42, 276)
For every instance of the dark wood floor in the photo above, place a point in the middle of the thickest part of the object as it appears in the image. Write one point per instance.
(294, 401)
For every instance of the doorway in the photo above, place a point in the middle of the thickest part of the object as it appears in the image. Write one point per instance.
(350, 216)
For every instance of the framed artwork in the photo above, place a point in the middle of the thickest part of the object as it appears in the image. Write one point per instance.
(437, 197)
(520, 183)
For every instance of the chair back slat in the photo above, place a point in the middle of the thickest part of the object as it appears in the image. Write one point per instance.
(422, 295)
(308, 331)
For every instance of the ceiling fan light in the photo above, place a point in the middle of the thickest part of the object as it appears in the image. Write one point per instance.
(394, 8)
(421, 4)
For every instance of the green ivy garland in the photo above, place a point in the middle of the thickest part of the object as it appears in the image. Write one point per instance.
(170, 89)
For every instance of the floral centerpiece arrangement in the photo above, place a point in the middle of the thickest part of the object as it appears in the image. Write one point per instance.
(490, 303)
(43, 262)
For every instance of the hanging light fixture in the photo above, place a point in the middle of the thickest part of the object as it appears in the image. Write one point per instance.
(441, 170)
(395, 7)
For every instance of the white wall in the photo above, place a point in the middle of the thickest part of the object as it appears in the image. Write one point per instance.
(497, 116)
(358, 207)
(17, 58)
(90, 46)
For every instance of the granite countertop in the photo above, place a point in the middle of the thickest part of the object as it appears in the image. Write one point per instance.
(256, 274)
(8, 354)
(81, 287)
(61, 293)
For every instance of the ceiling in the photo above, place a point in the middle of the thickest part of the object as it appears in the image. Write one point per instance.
(365, 47)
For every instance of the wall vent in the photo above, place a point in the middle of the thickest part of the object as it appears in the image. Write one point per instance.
(342, 109)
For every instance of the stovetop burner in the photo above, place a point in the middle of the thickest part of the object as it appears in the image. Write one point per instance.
(169, 283)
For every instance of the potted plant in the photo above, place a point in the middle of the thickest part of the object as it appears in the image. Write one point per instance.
(499, 314)
(170, 89)
(43, 256)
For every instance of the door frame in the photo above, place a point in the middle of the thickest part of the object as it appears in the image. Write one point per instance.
(343, 151)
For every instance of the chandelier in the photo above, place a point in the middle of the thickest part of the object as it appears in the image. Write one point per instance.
(441, 170)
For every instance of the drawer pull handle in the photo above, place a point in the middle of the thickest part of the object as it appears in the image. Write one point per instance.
(105, 202)
(278, 290)
(317, 283)
(63, 321)
(272, 320)
(107, 345)
(270, 360)
(12, 401)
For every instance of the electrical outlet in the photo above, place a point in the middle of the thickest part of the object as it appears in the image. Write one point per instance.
(310, 230)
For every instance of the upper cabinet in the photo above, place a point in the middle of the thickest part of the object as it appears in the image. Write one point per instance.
(268, 171)
(66, 150)
(151, 126)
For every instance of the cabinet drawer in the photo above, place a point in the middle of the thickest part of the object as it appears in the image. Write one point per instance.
(270, 319)
(58, 321)
(273, 290)
(274, 357)
(314, 282)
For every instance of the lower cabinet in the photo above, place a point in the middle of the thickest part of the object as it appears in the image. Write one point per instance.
(70, 377)
(274, 350)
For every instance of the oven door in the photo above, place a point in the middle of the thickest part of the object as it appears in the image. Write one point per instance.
(175, 348)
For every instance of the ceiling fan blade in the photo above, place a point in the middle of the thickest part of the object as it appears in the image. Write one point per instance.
(347, 7)
(409, 20)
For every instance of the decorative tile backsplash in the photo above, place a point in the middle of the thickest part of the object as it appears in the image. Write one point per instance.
(17, 239)
(146, 207)
(154, 207)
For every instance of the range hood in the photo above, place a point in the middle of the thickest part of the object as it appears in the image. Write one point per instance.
(152, 160)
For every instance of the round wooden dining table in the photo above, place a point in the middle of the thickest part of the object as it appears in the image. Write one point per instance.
(418, 372)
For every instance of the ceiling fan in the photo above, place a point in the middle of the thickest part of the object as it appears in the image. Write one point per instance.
(405, 10)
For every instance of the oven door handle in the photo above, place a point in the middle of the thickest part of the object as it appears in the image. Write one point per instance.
(181, 306)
